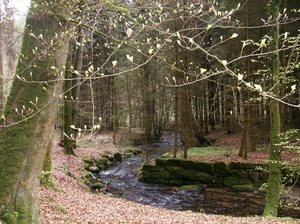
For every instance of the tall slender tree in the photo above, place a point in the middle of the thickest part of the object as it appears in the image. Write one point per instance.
(274, 181)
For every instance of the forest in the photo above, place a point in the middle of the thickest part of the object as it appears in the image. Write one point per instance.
(189, 67)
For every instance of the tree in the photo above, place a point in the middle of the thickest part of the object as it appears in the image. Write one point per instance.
(69, 132)
(29, 114)
(274, 181)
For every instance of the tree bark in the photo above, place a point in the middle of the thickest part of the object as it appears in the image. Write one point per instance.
(69, 132)
(30, 111)
(1, 64)
(274, 180)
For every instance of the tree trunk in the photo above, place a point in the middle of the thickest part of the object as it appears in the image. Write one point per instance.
(274, 181)
(30, 111)
(1, 64)
(176, 114)
(69, 133)
(76, 79)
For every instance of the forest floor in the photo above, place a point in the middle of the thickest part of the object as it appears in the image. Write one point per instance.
(74, 203)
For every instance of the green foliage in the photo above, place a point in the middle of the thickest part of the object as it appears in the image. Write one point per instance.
(59, 207)
(290, 141)
(46, 179)
(210, 151)
(10, 217)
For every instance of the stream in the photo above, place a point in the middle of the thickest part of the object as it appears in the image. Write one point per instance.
(122, 180)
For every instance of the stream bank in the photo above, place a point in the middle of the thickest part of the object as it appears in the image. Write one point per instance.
(122, 181)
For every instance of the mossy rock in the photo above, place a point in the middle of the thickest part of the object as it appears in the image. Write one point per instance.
(118, 157)
(161, 162)
(254, 176)
(190, 174)
(85, 174)
(176, 182)
(162, 181)
(141, 179)
(98, 185)
(232, 181)
(217, 179)
(86, 165)
(164, 175)
(146, 174)
(235, 165)
(88, 160)
(173, 162)
(155, 175)
(133, 150)
(108, 157)
(239, 173)
(101, 163)
(93, 169)
(188, 188)
(188, 164)
(205, 167)
(128, 154)
(204, 177)
(222, 168)
(243, 188)
(152, 168)
(176, 173)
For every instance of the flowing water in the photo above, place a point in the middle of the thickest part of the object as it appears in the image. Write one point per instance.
(122, 181)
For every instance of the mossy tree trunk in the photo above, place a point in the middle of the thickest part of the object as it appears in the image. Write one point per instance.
(1, 64)
(274, 181)
(69, 132)
(27, 130)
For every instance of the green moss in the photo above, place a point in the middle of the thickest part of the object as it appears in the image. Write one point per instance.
(176, 182)
(98, 185)
(118, 157)
(59, 207)
(189, 188)
(232, 181)
(10, 217)
(222, 168)
(204, 177)
(239, 173)
(153, 168)
(165, 175)
(205, 167)
(176, 173)
(173, 162)
(128, 154)
(188, 164)
(190, 174)
(162, 181)
(160, 162)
